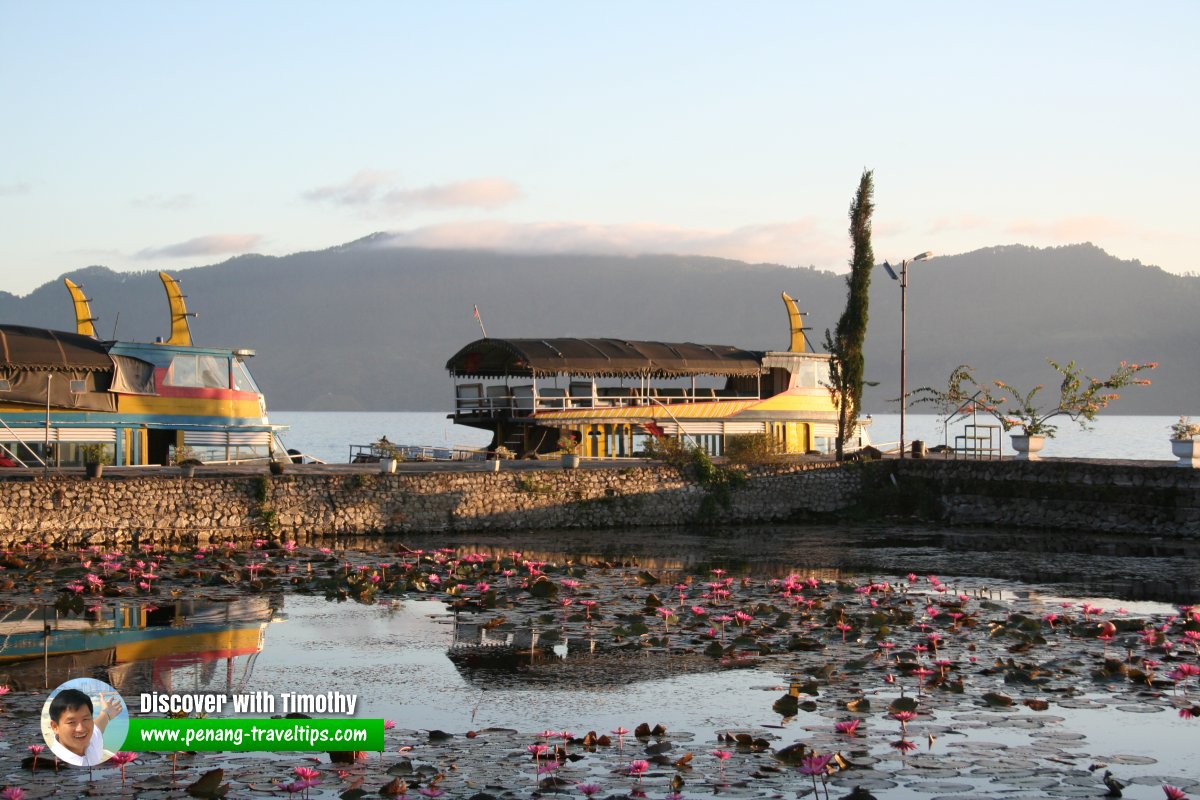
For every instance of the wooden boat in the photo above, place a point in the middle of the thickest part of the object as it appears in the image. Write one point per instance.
(608, 395)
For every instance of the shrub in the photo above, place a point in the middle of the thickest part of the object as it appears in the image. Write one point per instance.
(94, 453)
(752, 448)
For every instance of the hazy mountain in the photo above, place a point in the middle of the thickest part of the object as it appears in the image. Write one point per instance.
(366, 327)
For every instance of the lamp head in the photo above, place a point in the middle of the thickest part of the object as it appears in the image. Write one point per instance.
(891, 272)
(928, 254)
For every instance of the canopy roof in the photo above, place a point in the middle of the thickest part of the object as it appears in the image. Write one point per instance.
(494, 358)
(41, 348)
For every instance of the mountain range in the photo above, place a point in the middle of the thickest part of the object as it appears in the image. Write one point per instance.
(369, 326)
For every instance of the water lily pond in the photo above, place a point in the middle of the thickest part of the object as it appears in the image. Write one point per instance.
(780, 662)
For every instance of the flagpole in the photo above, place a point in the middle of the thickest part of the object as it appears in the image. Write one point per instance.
(479, 319)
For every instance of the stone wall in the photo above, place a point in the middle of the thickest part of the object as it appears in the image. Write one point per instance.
(1109, 497)
(1059, 494)
(70, 512)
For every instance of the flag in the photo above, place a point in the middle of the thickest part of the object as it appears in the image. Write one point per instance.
(476, 312)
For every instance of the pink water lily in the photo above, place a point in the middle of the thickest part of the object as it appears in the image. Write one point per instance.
(36, 749)
(815, 764)
(307, 774)
(121, 759)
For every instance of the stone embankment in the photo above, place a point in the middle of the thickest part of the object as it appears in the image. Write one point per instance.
(69, 511)
(1144, 498)
(1147, 499)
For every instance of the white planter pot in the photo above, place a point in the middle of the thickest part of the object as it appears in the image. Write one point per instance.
(1187, 451)
(387, 465)
(570, 461)
(1028, 447)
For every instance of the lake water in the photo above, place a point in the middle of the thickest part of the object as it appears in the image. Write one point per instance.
(328, 435)
(1065, 706)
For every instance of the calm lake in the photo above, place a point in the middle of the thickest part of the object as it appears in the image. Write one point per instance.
(1029, 702)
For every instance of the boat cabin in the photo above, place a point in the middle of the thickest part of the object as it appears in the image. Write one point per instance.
(141, 402)
(608, 395)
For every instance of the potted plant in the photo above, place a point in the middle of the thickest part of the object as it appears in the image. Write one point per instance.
(501, 453)
(389, 455)
(1185, 442)
(1081, 398)
(185, 459)
(569, 447)
(94, 457)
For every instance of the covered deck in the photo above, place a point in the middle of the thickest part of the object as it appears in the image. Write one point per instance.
(608, 394)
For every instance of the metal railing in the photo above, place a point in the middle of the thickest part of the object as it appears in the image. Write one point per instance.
(522, 405)
(976, 441)
(373, 453)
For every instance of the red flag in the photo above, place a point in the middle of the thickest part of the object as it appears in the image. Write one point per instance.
(654, 429)
(476, 312)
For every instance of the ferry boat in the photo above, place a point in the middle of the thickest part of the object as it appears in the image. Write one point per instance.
(609, 395)
(144, 403)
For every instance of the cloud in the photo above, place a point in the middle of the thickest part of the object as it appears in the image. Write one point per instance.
(799, 241)
(1074, 229)
(378, 192)
(14, 189)
(217, 244)
(479, 193)
(174, 202)
(363, 188)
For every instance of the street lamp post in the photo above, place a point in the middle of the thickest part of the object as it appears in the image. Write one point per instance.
(903, 278)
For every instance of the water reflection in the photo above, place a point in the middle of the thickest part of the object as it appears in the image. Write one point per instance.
(1122, 567)
(183, 645)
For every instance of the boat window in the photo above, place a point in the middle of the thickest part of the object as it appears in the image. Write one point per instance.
(806, 376)
(823, 374)
(182, 372)
(5, 385)
(241, 378)
(78, 387)
(214, 372)
(208, 372)
(811, 375)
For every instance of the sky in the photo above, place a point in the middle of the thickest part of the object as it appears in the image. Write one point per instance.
(149, 135)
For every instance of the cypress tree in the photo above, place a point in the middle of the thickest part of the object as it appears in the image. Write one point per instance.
(845, 345)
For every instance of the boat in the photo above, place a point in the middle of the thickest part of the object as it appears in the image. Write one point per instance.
(142, 402)
(609, 395)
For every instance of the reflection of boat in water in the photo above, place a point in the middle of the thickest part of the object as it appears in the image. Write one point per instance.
(609, 395)
(137, 647)
(488, 656)
(142, 402)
